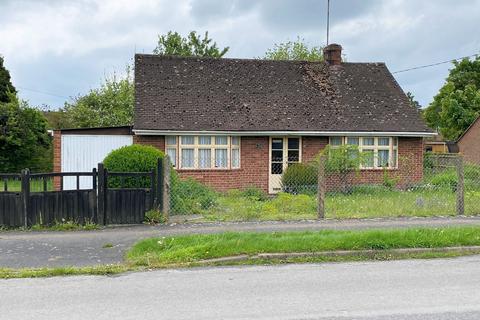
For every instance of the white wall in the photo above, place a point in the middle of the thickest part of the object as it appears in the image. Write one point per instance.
(84, 152)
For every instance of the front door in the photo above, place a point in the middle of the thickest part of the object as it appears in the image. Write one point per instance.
(283, 151)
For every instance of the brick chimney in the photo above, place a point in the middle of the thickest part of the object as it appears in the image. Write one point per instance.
(332, 54)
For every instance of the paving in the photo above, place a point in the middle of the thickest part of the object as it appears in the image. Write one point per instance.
(108, 245)
(437, 289)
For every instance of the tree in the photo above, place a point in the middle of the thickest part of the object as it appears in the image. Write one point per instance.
(24, 140)
(457, 104)
(110, 105)
(295, 50)
(6, 85)
(413, 102)
(192, 46)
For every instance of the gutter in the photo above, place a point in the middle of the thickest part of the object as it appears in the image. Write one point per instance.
(143, 132)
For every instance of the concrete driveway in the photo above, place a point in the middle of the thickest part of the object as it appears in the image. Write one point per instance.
(87, 248)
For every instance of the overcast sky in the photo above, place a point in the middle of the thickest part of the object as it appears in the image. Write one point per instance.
(66, 47)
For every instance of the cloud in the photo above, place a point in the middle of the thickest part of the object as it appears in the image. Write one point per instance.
(66, 47)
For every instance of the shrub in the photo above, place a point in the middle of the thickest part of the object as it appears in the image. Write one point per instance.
(191, 197)
(134, 158)
(300, 178)
(254, 193)
(389, 181)
(447, 178)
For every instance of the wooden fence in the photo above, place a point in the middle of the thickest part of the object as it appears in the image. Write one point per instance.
(28, 199)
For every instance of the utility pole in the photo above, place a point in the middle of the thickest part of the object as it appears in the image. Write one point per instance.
(328, 20)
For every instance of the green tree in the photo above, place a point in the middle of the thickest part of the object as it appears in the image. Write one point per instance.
(295, 50)
(457, 104)
(6, 85)
(24, 140)
(109, 105)
(191, 46)
(413, 102)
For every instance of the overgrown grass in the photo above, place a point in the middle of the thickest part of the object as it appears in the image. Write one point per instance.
(160, 252)
(58, 226)
(380, 202)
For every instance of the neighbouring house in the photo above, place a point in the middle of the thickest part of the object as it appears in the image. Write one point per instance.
(234, 123)
(437, 144)
(469, 143)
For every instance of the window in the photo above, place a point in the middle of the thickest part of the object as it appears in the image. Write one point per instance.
(377, 152)
(203, 152)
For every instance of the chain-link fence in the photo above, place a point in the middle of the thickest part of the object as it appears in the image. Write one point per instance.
(341, 187)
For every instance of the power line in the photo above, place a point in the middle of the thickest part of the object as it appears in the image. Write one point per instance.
(435, 64)
(43, 92)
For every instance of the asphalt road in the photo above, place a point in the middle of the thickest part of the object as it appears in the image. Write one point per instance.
(409, 289)
(86, 248)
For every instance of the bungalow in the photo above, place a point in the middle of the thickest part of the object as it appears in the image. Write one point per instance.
(233, 123)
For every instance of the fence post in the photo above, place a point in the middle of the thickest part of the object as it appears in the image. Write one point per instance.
(101, 194)
(25, 187)
(166, 188)
(460, 186)
(159, 188)
(321, 187)
(94, 187)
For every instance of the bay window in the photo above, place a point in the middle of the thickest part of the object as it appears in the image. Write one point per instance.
(377, 152)
(203, 152)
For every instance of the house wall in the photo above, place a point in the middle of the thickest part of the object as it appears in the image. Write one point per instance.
(410, 163)
(253, 169)
(469, 144)
(255, 164)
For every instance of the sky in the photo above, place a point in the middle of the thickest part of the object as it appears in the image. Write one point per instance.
(58, 49)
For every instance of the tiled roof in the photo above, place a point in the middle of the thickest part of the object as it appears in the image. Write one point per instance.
(196, 94)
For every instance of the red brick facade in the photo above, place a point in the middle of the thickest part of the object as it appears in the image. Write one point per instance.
(469, 143)
(254, 169)
(57, 157)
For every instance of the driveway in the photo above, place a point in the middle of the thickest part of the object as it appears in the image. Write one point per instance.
(87, 248)
(437, 289)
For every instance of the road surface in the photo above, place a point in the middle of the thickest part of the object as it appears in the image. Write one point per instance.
(86, 248)
(410, 289)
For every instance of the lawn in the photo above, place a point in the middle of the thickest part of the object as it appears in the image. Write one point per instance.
(191, 249)
(236, 206)
(36, 185)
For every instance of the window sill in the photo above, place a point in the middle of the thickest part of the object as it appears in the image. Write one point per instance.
(378, 169)
(208, 170)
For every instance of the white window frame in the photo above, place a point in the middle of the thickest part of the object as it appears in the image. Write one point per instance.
(392, 147)
(178, 146)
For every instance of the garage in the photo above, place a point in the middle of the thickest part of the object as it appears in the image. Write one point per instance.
(80, 150)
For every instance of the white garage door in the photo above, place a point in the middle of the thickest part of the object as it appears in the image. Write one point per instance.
(82, 153)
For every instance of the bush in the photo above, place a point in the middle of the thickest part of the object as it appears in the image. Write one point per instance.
(134, 158)
(254, 193)
(300, 178)
(191, 197)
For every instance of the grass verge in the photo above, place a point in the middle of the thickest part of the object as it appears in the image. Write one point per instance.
(192, 249)
(202, 250)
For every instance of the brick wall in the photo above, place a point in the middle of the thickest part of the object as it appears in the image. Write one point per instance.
(253, 169)
(469, 144)
(254, 163)
(410, 163)
(57, 157)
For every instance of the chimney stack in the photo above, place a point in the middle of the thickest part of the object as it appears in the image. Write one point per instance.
(332, 54)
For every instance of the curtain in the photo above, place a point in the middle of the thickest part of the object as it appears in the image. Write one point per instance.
(235, 158)
(187, 158)
(204, 158)
(220, 158)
